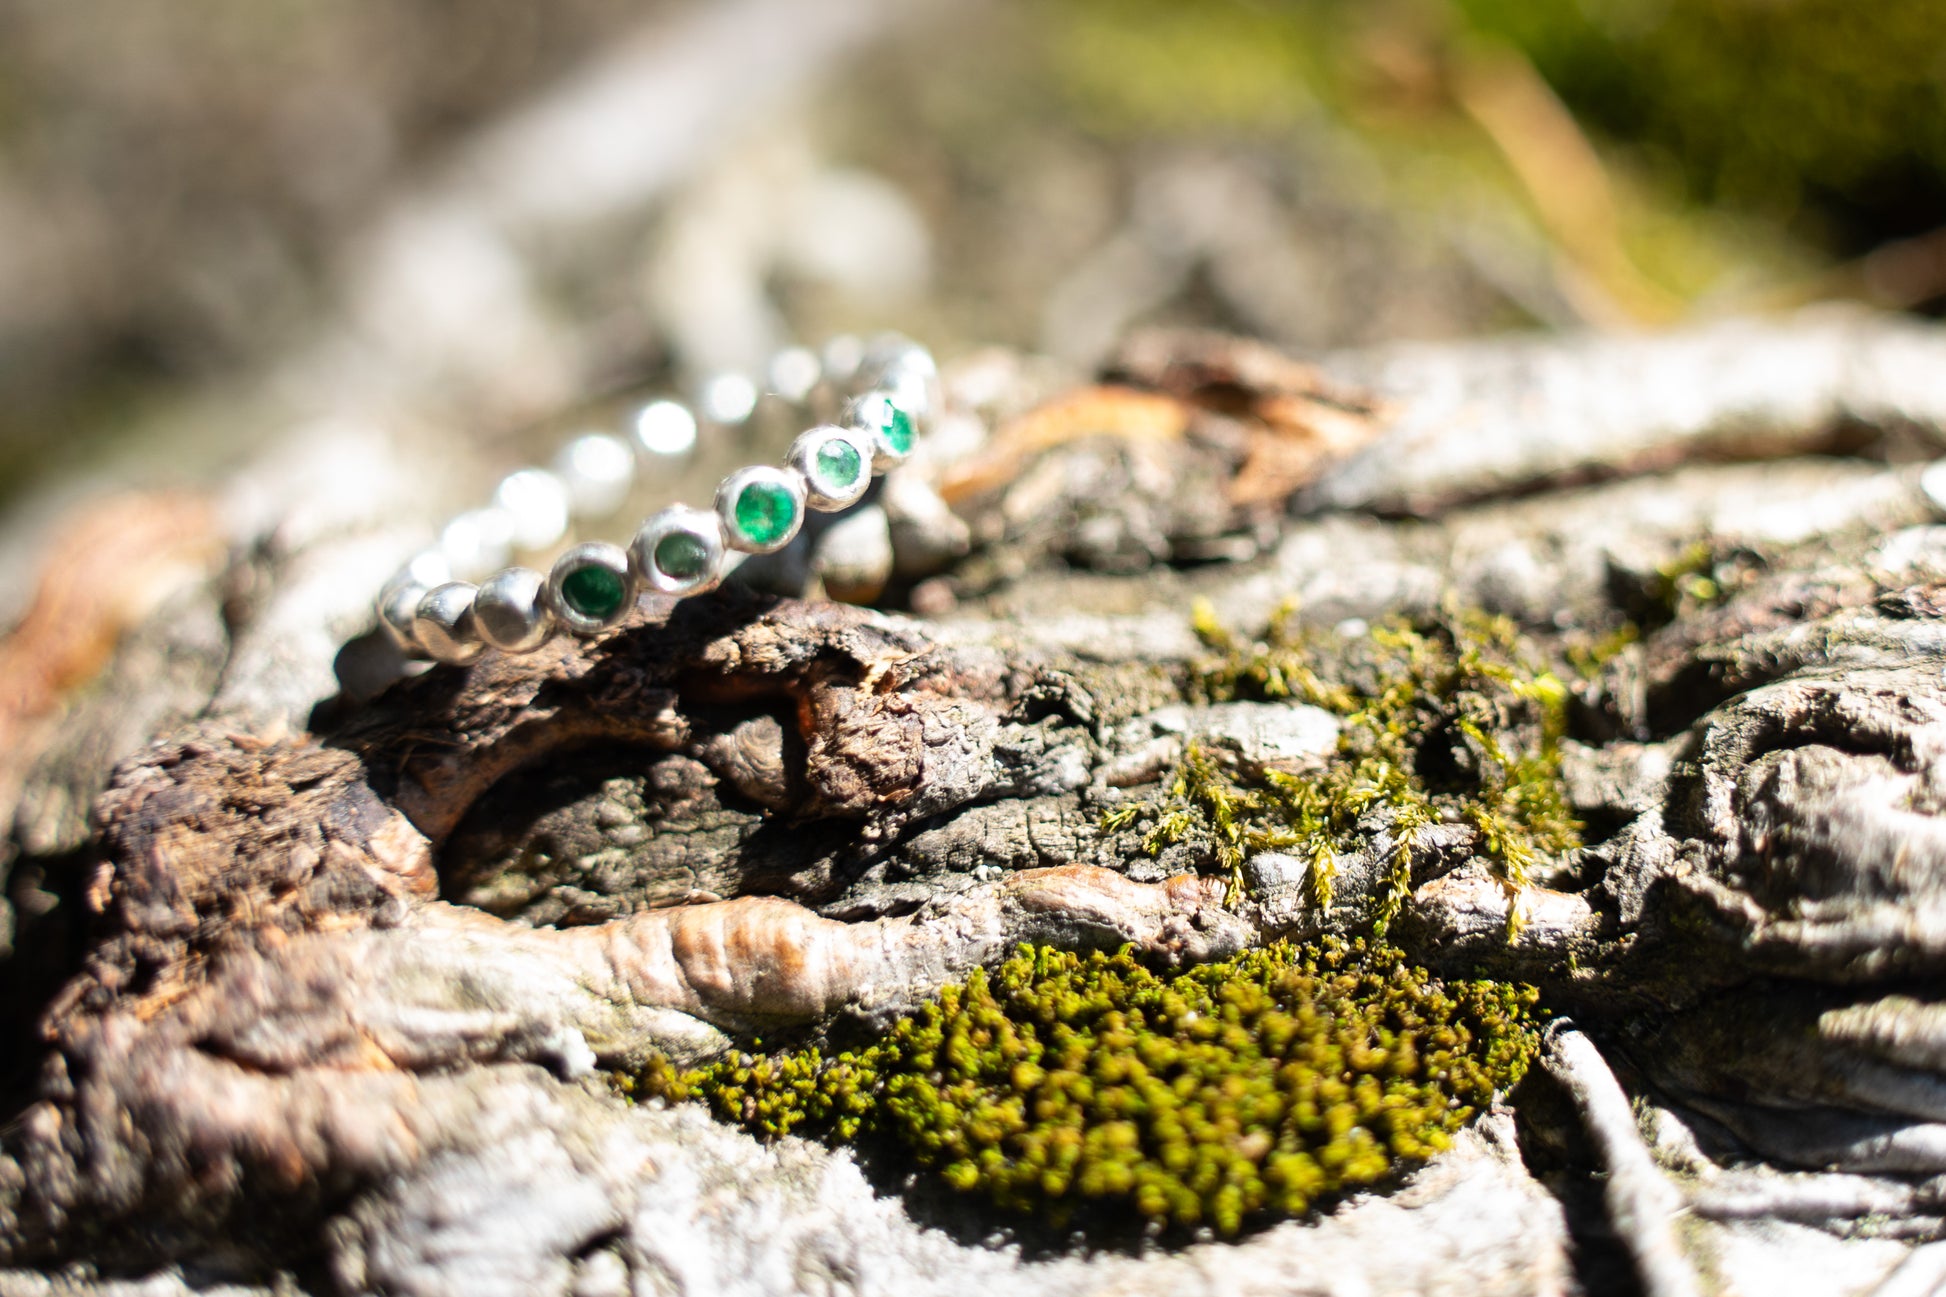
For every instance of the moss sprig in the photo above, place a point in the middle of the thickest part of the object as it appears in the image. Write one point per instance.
(1208, 1097)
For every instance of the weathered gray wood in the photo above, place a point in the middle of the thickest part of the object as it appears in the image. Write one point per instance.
(316, 1028)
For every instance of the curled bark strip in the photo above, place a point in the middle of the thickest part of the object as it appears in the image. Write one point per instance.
(1089, 412)
(1296, 421)
(1493, 418)
(861, 689)
(758, 960)
(1812, 805)
(218, 840)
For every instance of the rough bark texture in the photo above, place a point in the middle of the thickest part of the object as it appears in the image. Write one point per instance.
(318, 998)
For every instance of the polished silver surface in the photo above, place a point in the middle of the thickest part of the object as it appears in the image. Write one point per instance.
(598, 470)
(510, 611)
(558, 594)
(443, 625)
(429, 567)
(893, 355)
(701, 526)
(907, 372)
(398, 604)
(477, 542)
(794, 371)
(821, 490)
(664, 429)
(916, 387)
(398, 599)
(788, 480)
(537, 501)
(841, 357)
(728, 399)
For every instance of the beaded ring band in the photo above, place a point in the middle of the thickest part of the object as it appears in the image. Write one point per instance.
(679, 551)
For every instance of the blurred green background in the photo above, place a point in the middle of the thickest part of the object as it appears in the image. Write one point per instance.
(216, 214)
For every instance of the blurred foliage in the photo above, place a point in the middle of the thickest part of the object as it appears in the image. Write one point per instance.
(1783, 108)
(1151, 68)
(1767, 104)
(183, 186)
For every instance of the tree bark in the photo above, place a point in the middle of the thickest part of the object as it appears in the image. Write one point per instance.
(320, 995)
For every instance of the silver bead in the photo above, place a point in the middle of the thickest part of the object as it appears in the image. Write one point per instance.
(429, 567)
(590, 587)
(841, 358)
(879, 416)
(836, 464)
(770, 502)
(444, 626)
(794, 371)
(477, 542)
(914, 359)
(892, 355)
(665, 428)
(599, 471)
(398, 604)
(679, 551)
(510, 612)
(919, 392)
(537, 501)
(728, 398)
(906, 371)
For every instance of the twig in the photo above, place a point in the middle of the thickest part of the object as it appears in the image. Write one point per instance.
(1642, 1204)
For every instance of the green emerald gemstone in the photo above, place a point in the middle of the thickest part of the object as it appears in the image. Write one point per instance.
(765, 513)
(894, 423)
(682, 555)
(839, 464)
(595, 591)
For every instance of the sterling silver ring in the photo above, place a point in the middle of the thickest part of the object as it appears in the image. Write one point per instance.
(431, 609)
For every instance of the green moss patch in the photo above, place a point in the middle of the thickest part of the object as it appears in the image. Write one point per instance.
(1067, 1083)
(1446, 720)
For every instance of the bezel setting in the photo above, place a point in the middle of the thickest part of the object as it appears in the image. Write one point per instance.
(761, 477)
(702, 525)
(879, 416)
(822, 491)
(589, 554)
